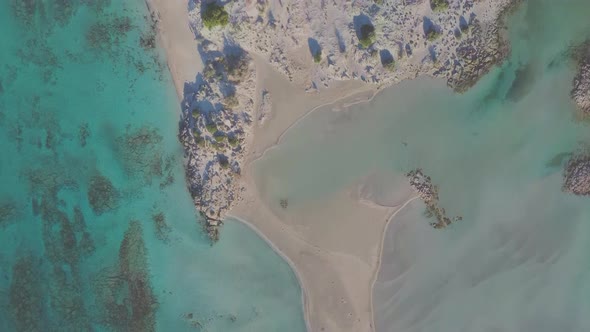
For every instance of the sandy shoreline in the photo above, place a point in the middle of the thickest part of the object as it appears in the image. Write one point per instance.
(178, 41)
(376, 273)
(310, 261)
(304, 296)
(317, 267)
(336, 269)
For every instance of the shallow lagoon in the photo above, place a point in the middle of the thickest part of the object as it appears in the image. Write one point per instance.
(97, 230)
(518, 259)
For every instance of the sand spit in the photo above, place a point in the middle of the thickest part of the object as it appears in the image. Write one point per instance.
(335, 268)
(273, 63)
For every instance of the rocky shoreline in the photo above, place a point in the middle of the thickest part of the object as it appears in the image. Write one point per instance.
(216, 122)
(314, 44)
(580, 92)
(577, 175)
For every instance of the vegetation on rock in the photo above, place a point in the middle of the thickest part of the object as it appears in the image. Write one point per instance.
(231, 101)
(439, 5)
(432, 34)
(367, 35)
(220, 138)
(214, 15)
(233, 141)
(236, 65)
(211, 127)
(389, 65)
(196, 112)
(317, 57)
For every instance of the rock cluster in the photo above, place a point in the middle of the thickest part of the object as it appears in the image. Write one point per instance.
(428, 192)
(581, 85)
(460, 43)
(577, 175)
(217, 118)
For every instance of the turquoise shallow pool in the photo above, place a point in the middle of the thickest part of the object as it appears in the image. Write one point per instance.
(97, 230)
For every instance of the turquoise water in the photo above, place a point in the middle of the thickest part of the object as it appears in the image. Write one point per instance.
(518, 261)
(97, 230)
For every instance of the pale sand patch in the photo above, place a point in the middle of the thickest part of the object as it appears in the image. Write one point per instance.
(334, 245)
(335, 260)
(178, 40)
(290, 103)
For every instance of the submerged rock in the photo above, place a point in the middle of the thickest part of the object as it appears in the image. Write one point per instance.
(102, 195)
(577, 176)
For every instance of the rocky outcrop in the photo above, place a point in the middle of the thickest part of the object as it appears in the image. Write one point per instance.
(476, 55)
(459, 43)
(577, 175)
(217, 118)
(581, 85)
(428, 192)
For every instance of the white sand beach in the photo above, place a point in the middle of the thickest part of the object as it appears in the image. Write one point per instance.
(178, 40)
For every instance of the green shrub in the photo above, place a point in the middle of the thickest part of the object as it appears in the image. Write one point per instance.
(236, 65)
(214, 15)
(209, 72)
(200, 142)
(224, 162)
(231, 101)
(439, 5)
(432, 34)
(196, 113)
(317, 57)
(367, 35)
(211, 127)
(219, 138)
(389, 65)
(233, 141)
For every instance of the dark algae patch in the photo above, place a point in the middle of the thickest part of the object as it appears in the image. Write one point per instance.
(161, 227)
(68, 70)
(27, 295)
(102, 195)
(125, 300)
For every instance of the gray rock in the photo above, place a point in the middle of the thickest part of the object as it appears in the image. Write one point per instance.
(577, 176)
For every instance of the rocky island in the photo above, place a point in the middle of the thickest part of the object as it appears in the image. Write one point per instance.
(428, 193)
(314, 44)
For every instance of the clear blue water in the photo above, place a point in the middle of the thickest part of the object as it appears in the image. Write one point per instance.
(97, 230)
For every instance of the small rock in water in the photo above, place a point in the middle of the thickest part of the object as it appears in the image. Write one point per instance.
(284, 203)
(577, 176)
